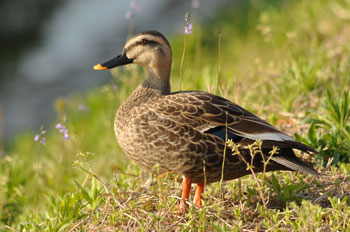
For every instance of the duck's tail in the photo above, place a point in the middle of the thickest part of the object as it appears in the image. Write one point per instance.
(287, 158)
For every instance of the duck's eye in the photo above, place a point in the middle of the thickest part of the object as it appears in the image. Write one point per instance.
(143, 41)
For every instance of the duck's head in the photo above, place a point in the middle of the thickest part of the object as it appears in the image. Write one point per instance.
(150, 49)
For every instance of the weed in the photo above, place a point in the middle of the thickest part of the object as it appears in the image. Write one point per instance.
(329, 130)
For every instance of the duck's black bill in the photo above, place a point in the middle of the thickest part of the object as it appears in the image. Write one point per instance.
(114, 62)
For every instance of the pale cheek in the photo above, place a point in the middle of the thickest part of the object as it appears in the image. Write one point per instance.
(142, 61)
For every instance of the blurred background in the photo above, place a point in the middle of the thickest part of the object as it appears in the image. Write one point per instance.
(284, 60)
(48, 48)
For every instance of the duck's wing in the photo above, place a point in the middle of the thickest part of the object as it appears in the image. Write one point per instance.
(221, 117)
(208, 113)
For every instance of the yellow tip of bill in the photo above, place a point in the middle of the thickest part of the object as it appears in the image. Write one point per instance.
(99, 67)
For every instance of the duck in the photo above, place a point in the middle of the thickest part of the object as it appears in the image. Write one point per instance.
(186, 132)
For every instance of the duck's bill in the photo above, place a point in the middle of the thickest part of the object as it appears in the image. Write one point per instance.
(114, 62)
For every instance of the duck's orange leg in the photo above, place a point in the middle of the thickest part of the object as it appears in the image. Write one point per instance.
(198, 195)
(186, 188)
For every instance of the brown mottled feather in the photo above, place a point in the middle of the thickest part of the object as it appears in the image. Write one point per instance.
(169, 130)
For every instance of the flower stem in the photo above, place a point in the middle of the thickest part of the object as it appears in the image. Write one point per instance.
(182, 61)
(37, 169)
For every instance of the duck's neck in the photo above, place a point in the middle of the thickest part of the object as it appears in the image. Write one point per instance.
(155, 85)
(158, 80)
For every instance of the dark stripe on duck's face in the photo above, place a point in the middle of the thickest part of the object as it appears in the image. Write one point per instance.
(140, 43)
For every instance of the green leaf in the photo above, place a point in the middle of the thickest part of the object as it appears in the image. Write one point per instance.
(85, 194)
(276, 186)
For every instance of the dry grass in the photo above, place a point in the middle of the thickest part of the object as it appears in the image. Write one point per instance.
(151, 209)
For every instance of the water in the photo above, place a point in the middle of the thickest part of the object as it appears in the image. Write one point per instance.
(78, 35)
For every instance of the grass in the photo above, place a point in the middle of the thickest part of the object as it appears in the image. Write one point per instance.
(330, 130)
(286, 61)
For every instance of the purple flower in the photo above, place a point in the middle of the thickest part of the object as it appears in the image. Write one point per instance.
(36, 138)
(127, 14)
(63, 130)
(82, 107)
(134, 9)
(195, 4)
(188, 29)
(66, 136)
(187, 17)
(59, 126)
(40, 137)
(135, 6)
(43, 141)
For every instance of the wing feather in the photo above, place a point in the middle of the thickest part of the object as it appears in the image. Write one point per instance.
(205, 111)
